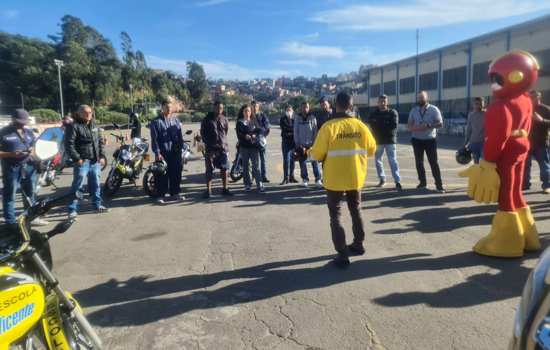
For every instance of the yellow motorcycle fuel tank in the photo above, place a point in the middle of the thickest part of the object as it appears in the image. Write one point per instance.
(21, 305)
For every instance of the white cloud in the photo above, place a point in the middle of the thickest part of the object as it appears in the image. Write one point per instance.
(218, 69)
(298, 62)
(424, 13)
(301, 50)
(10, 14)
(205, 3)
(312, 36)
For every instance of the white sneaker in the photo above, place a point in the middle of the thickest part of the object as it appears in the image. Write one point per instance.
(73, 215)
(39, 222)
(247, 188)
(261, 188)
(305, 184)
(319, 183)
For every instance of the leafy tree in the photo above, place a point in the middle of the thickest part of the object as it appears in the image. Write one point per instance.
(196, 82)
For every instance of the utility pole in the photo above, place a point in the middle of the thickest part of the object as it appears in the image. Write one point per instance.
(22, 100)
(60, 64)
(131, 99)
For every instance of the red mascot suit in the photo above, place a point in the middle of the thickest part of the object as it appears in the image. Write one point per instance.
(499, 176)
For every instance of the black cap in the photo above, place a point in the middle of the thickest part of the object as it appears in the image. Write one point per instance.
(21, 116)
(323, 99)
(383, 96)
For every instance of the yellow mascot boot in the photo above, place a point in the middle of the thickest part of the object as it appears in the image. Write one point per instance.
(506, 238)
(530, 231)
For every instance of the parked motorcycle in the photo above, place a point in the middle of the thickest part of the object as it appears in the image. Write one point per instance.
(36, 313)
(158, 168)
(236, 171)
(49, 167)
(127, 163)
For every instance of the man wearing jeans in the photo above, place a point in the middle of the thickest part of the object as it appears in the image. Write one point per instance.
(305, 132)
(84, 145)
(343, 145)
(383, 124)
(263, 122)
(16, 144)
(424, 120)
(538, 139)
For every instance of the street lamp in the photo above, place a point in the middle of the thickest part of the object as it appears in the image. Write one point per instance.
(131, 98)
(59, 64)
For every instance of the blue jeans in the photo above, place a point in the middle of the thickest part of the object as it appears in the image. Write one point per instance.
(288, 160)
(543, 158)
(303, 170)
(477, 151)
(14, 177)
(262, 163)
(391, 152)
(92, 171)
(250, 155)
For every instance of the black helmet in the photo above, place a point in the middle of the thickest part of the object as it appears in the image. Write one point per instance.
(463, 156)
(159, 167)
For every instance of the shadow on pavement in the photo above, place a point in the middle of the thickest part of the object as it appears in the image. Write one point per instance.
(137, 301)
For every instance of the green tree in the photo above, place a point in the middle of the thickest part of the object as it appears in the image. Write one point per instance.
(196, 83)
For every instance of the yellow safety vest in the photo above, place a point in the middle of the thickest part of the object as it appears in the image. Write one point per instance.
(343, 145)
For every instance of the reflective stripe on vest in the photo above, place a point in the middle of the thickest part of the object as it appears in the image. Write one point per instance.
(347, 152)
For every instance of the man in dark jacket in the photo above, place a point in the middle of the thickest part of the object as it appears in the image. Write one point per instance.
(287, 142)
(214, 129)
(325, 113)
(383, 122)
(263, 122)
(135, 126)
(84, 145)
(539, 143)
(167, 144)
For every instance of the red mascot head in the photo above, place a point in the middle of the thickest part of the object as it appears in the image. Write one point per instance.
(513, 74)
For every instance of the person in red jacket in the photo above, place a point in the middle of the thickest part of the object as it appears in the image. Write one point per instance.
(499, 176)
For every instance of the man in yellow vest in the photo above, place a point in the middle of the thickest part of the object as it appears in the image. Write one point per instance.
(343, 145)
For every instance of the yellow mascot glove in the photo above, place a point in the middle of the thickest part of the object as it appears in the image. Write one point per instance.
(483, 182)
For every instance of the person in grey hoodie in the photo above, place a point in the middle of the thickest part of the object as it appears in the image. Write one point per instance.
(305, 131)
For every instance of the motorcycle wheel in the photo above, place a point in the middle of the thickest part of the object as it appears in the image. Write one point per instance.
(236, 172)
(112, 183)
(149, 184)
(79, 332)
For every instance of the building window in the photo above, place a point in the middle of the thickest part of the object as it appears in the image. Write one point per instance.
(374, 90)
(406, 86)
(455, 77)
(428, 81)
(389, 88)
(543, 57)
(481, 73)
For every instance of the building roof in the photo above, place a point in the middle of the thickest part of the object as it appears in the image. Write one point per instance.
(523, 25)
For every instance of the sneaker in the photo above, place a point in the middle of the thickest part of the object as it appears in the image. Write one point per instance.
(356, 249)
(546, 191)
(319, 183)
(421, 186)
(305, 183)
(382, 183)
(265, 179)
(440, 189)
(160, 201)
(206, 194)
(341, 261)
(39, 222)
(261, 188)
(284, 182)
(102, 209)
(73, 215)
(398, 187)
(292, 180)
(247, 188)
(176, 198)
(226, 192)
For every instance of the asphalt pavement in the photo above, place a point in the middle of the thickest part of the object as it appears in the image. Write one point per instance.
(252, 271)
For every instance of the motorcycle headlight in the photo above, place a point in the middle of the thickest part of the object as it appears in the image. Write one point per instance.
(532, 292)
(126, 155)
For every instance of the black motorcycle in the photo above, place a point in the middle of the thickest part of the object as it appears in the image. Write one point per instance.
(127, 163)
(236, 171)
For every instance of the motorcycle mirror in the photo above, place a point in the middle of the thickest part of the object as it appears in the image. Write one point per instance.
(188, 132)
(61, 227)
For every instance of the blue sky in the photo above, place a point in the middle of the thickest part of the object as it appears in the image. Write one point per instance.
(244, 39)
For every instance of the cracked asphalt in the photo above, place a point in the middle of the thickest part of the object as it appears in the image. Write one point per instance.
(252, 272)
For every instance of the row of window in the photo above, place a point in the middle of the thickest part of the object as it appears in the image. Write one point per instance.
(452, 78)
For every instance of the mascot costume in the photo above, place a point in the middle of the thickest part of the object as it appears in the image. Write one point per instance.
(499, 176)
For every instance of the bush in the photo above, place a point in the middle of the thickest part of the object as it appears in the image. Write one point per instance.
(104, 116)
(184, 117)
(198, 117)
(44, 115)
